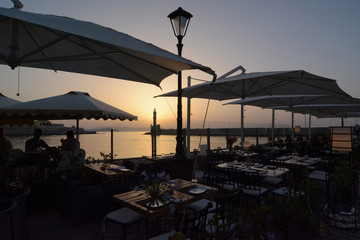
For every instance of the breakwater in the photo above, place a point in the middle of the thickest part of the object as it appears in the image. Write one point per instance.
(261, 132)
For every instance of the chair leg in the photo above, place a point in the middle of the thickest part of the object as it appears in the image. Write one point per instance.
(103, 228)
(104, 224)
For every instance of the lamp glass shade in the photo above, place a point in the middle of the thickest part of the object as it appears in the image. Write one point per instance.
(180, 20)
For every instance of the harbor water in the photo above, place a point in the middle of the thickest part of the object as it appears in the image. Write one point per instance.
(129, 144)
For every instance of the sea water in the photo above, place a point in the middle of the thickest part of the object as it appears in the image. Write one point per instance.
(129, 144)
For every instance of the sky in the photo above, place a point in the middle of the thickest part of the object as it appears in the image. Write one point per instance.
(319, 36)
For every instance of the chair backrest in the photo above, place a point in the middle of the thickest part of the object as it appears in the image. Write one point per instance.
(278, 162)
(209, 178)
(227, 203)
(249, 180)
(193, 224)
(225, 176)
(7, 208)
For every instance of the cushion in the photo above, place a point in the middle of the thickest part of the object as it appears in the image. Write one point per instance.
(124, 216)
(283, 191)
(254, 192)
(318, 175)
(272, 180)
(201, 204)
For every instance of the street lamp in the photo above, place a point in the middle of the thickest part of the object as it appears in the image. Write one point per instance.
(180, 20)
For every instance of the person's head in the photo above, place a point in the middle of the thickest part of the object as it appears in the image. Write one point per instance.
(70, 134)
(37, 133)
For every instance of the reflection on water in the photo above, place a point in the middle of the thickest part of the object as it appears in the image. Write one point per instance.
(129, 144)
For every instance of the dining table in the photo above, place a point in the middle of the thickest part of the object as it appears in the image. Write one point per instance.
(299, 161)
(108, 170)
(262, 169)
(186, 193)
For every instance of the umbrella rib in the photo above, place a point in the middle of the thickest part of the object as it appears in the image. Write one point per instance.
(40, 49)
(101, 55)
(117, 51)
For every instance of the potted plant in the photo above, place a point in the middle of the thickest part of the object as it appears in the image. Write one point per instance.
(256, 225)
(230, 140)
(298, 216)
(157, 187)
(343, 182)
(223, 228)
(177, 236)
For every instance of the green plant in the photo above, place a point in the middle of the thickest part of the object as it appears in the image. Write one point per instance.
(223, 228)
(343, 179)
(177, 236)
(256, 224)
(157, 187)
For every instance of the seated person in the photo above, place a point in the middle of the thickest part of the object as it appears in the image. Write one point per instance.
(35, 144)
(5, 144)
(70, 143)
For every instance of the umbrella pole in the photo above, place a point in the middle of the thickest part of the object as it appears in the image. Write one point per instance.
(292, 126)
(188, 120)
(242, 127)
(77, 129)
(112, 144)
(272, 128)
(309, 126)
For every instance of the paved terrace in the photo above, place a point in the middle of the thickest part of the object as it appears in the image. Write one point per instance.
(50, 225)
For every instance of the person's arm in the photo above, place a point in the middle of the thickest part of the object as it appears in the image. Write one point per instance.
(27, 146)
(44, 144)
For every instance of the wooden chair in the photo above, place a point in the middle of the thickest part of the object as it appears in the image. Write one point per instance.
(21, 231)
(225, 179)
(124, 217)
(192, 224)
(226, 213)
(249, 182)
(7, 208)
(274, 181)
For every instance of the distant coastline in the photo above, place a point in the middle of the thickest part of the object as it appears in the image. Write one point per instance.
(261, 132)
(48, 129)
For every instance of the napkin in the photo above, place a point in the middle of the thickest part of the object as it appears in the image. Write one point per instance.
(118, 168)
(175, 200)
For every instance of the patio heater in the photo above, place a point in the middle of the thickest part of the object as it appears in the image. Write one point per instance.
(179, 20)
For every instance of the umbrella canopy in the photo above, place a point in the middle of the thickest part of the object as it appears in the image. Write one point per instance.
(293, 100)
(326, 110)
(61, 43)
(298, 82)
(244, 85)
(289, 101)
(5, 101)
(73, 105)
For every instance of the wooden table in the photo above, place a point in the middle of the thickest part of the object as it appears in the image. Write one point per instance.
(265, 171)
(96, 169)
(136, 200)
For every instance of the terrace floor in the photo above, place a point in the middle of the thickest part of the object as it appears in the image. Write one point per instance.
(51, 225)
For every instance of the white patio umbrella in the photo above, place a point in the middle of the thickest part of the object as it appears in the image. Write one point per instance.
(6, 101)
(344, 110)
(61, 43)
(298, 82)
(73, 105)
(279, 101)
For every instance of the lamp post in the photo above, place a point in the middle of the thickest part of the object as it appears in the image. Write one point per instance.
(180, 20)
